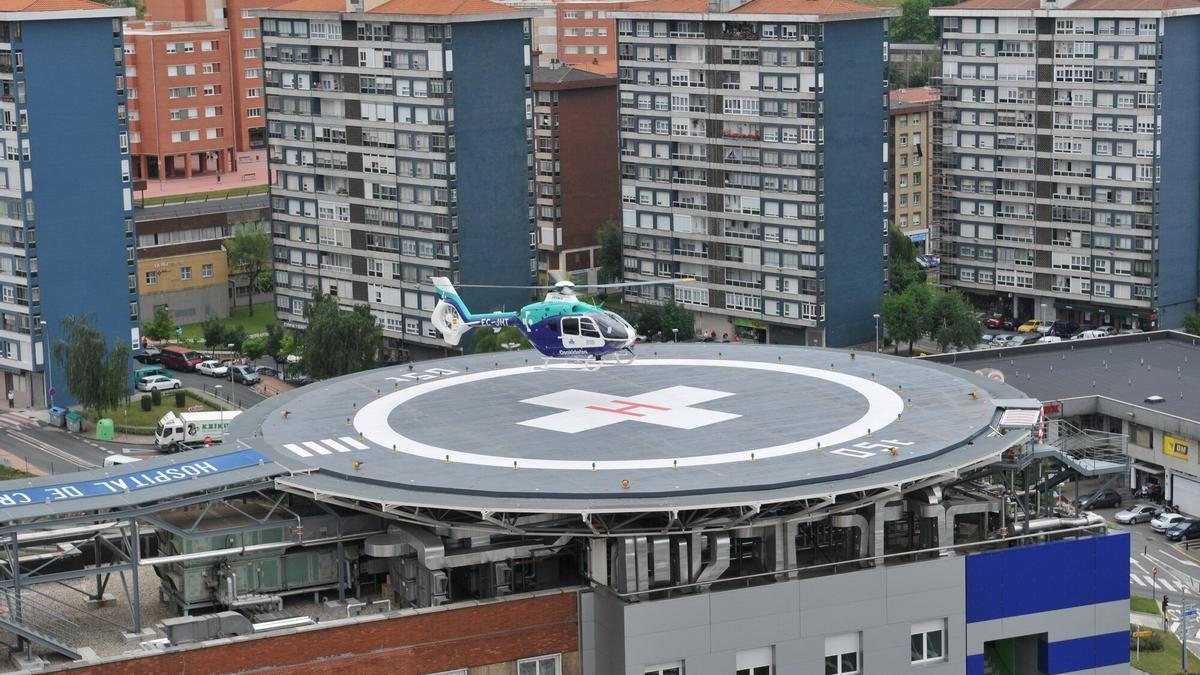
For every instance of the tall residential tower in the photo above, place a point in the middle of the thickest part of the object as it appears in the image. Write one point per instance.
(754, 160)
(401, 147)
(1069, 158)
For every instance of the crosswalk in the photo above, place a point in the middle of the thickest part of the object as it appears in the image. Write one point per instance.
(1147, 582)
(16, 421)
(326, 446)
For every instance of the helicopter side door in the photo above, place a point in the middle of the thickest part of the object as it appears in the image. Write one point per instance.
(580, 332)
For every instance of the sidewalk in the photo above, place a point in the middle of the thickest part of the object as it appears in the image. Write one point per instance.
(250, 172)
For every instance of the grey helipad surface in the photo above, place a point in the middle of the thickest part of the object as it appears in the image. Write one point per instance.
(684, 425)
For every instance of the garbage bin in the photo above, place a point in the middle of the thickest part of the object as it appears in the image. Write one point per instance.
(104, 429)
(58, 416)
(74, 422)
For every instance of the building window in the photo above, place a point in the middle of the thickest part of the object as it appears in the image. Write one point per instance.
(185, 273)
(250, 33)
(251, 53)
(842, 654)
(253, 112)
(540, 665)
(253, 73)
(206, 271)
(253, 92)
(151, 278)
(666, 669)
(928, 641)
(759, 661)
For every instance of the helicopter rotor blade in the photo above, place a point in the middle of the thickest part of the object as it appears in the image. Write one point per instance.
(628, 284)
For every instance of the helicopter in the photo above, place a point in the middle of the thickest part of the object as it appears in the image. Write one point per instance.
(562, 326)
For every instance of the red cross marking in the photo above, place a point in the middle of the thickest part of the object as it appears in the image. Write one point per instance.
(629, 407)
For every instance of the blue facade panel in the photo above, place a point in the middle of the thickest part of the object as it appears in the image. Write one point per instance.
(1178, 251)
(854, 116)
(77, 187)
(1056, 575)
(493, 151)
(1094, 651)
(975, 664)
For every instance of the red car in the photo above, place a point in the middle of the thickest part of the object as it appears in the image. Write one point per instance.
(1001, 322)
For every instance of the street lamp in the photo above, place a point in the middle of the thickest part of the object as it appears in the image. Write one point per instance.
(1043, 316)
(220, 408)
(876, 331)
(49, 373)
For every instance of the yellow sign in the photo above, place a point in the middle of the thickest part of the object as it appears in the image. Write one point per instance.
(1176, 447)
(1142, 633)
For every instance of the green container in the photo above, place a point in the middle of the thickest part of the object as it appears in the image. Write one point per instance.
(74, 422)
(104, 429)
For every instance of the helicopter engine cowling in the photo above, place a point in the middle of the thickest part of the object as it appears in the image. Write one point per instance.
(448, 322)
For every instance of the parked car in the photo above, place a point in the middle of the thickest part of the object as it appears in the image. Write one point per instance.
(1001, 322)
(212, 368)
(147, 355)
(1049, 338)
(1165, 521)
(1031, 326)
(266, 371)
(928, 261)
(1138, 513)
(1062, 329)
(1022, 339)
(1185, 530)
(1105, 499)
(1089, 334)
(243, 374)
(142, 373)
(158, 382)
(181, 358)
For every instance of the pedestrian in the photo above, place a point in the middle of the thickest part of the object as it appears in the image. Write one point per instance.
(12, 398)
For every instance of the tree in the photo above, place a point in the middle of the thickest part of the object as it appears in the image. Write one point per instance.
(96, 375)
(337, 342)
(1191, 323)
(213, 330)
(485, 340)
(235, 335)
(914, 23)
(253, 348)
(162, 326)
(651, 320)
(904, 314)
(273, 344)
(903, 269)
(951, 320)
(611, 241)
(249, 253)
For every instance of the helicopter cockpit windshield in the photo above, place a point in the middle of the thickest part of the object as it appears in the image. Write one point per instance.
(611, 327)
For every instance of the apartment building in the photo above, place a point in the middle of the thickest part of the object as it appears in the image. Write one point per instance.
(401, 143)
(587, 34)
(753, 160)
(196, 92)
(575, 129)
(1068, 159)
(908, 140)
(66, 203)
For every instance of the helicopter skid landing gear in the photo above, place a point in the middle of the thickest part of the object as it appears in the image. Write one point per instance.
(562, 363)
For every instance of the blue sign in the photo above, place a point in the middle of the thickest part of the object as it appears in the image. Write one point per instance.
(136, 480)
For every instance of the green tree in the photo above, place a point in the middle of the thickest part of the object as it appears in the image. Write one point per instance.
(97, 375)
(213, 330)
(249, 253)
(904, 314)
(903, 269)
(235, 335)
(337, 342)
(254, 347)
(162, 326)
(1191, 323)
(485, 340)
(611, 241)
(951, 320)
(914, 23)
(273, 343)
(653, 319)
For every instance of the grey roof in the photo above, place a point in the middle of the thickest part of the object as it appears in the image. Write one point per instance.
(1127, 368)
(199, 208)
(449, 430)
(134, 484)
(545, 75)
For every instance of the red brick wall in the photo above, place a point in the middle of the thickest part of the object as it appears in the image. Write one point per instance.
(590, 177)
(459, 638)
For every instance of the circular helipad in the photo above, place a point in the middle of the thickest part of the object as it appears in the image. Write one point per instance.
(682, 423)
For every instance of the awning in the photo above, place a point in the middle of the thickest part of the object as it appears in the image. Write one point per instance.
(918, 236)
(1147, 468)
(1107, 311)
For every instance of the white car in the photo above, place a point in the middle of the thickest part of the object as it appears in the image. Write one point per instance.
(158, 382)
(212, 368)
(1137, 513)
(1165, 521)
(1094, 333)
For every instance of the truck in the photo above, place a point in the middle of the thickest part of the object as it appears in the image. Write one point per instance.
(188, 430)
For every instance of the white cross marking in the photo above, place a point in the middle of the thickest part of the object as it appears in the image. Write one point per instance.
(586, 410)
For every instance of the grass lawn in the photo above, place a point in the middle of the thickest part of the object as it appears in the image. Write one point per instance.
(7, 473)
(134, 417)
(202, 196)
(264, 315)
(1162, 662)
(1144, 605)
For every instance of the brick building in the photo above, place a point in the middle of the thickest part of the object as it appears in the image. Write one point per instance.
(575, 128)
(587, 34)
(908, 146)
(198, 98)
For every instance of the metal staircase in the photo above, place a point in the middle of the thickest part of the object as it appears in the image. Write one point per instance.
(34, 621)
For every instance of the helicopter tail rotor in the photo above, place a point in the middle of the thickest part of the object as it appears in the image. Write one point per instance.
(449, 322)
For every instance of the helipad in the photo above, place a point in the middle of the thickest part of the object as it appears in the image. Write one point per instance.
(683, 426)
